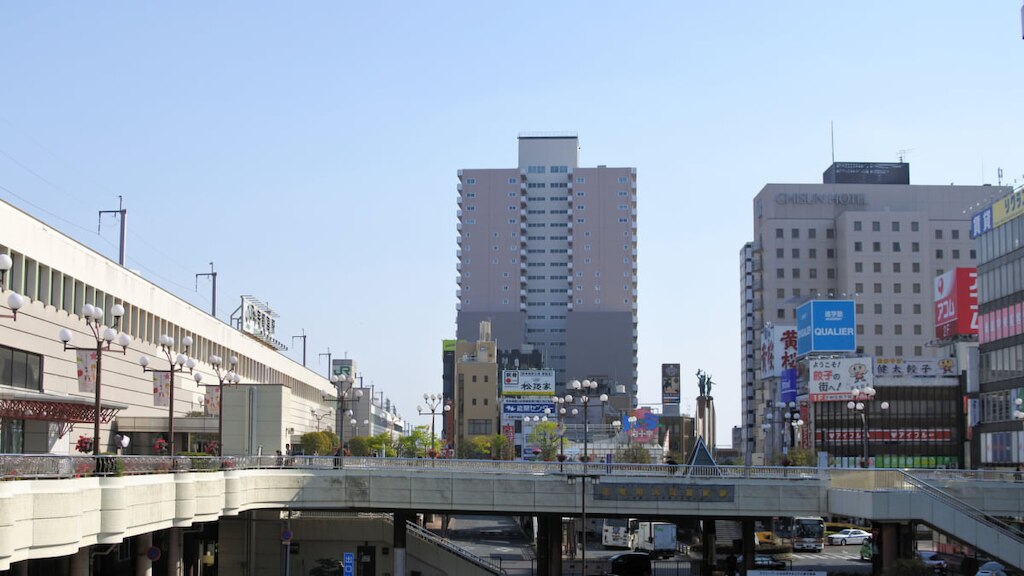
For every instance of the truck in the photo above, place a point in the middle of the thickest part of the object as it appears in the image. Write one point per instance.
(656, 538)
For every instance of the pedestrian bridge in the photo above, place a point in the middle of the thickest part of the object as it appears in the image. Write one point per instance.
(52, 505)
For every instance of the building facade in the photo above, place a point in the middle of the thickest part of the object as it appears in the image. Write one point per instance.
(548, 254)
(880, 245)
(476, 404)
(998, 411)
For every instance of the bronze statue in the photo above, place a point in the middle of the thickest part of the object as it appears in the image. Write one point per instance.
(704, 382)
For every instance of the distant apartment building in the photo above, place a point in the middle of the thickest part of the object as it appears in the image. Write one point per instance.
(476, 406)
(872, 238)
(548, 254)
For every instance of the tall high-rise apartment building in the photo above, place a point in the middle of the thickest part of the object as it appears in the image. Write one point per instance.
(881, 245)
(547, 254)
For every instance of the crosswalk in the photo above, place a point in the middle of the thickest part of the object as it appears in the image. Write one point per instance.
(832, 553)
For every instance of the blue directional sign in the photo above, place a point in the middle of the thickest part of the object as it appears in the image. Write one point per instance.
(349, 563)
(826, 326)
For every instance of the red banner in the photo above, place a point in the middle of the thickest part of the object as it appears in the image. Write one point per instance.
(956, 303)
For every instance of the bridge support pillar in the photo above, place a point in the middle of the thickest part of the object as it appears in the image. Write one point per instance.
(892, 542)
(398, 541)
(78, 565)
(549, 545)
(707, 540)
(174, 552)
(747, 533)
(143, 565)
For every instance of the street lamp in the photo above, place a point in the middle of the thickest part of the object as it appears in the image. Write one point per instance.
(14, 300)
(224, 378)
(560, 413)
(178, 363)
(355, 424)
(344, 384)
(104, 336)
(793, 422)
(319, 417)
(1017, 414)
(583, 388)
(860, 406)
(433, 402)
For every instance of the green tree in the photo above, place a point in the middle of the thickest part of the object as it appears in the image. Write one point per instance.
(359, 446)
(383, 441)
(500, 448)
(635, 454)
(320, 442)
(803, 457)
(415, 444)
(545, 437)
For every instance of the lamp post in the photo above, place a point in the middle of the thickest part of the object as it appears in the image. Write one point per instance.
(104, 336)
(319, 417)
(433, 402)
(178, 363)
(860, 404)
(560, 413)
(584, 388)
(355, 426)
(344, 384)
(224, 378)
(14, 300)
(792, 422)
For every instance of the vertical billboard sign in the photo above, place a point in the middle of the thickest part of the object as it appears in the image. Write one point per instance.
(956, 303)
(826, 326)
(669, 384)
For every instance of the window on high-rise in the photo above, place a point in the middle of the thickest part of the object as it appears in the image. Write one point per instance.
(899, 350)
(914, 227)
(956, 254)
(858, 246)
(938, 234)
(877, 288)
(973, 254)
(876, 246)
(895, 226)
(780, 293)
(915, 247)
(812, 273)
(876, 226)
(780, 273)
(917, 288)
(878, 350)
(917, 329)
(779, 232)
(896, 247)
(878, 308)
(915, 267)
(859, 308)
(917, 350)
(812, 252)
(898, 329)
(830, 233)
(860, 329)
(796, 252)
(812, 233)
(623, 180)
(876, 267)
(535, 169)
(780, 252)
(917, 308)
(796, 272)
(897, 288)
(897, 308)
(780, 314)
(831, 274)
(896, 267)
(878, 329)
(955, 234)
(830, 253)
(938, 253)
(794, 233)
(856, 226)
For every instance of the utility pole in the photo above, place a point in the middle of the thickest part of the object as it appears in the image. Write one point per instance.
(212, 275)
(122, 212)
(329, 367)
(303, 338)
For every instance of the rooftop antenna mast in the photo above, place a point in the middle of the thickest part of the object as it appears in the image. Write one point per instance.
(123, 214)
(832, 128)
(303, 338)
(902, 154)
(213, 276)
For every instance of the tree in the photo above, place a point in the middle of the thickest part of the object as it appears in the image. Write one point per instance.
(635, 454)
(545, 437)
(321, 442)
(803, 457)
(359, 446)
(383, 441)
(415, 444)
(500, 448)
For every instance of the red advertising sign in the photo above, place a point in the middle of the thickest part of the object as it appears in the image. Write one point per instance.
(956, 303)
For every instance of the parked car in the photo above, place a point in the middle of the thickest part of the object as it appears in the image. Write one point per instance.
(933, 561)
(630, 564)
(764, 562)
(849, 536)
(991, 569)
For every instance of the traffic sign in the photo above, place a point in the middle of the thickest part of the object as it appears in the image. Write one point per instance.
(349, 562)
(286, 536)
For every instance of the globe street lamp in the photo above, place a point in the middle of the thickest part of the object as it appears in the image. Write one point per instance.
(860, 405)
(560, 413)
(792, 422)
(584, 388)
(104, 336)
(344, 383)
(320, 417)
(433, 402)
(178, 363)
(224, 378)
(355, 426)
(14, 300)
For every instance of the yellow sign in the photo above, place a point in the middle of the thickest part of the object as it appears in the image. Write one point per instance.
(1008, 208)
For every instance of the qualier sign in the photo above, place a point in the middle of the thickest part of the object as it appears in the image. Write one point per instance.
(826, 326)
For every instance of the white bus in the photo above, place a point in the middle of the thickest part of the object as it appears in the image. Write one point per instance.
(808, 533)
(615, 533)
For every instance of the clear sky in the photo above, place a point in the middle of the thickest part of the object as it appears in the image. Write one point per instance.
(310, 149)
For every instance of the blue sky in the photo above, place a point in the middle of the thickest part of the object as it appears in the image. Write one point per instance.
(310, 149)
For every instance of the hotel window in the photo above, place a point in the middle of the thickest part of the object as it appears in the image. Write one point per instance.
(858, 247)
(780, 253)
(955, 234)
(895, 226)
(917, 329)
(812, 252)
(830, 233)
(856, 226)
(878, 308)
(860, 308)
(794, 233)
(896, 247)
(876, 226)
(796, 252)
(876, 267)
(938, 234)
(812, 233)
(938, 253)
(876, 246)
(898, 329)
(915, 247)
(917, 288)
(914, 227)
(917, 308)
(778, 232)
(897, 308)
(896, 267)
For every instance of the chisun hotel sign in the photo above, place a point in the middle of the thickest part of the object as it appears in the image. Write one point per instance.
(826, 326)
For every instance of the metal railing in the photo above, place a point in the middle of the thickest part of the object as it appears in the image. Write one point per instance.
(962, 507)
(426, 535)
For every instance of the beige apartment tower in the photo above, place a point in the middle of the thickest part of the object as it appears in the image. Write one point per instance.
(547, 254)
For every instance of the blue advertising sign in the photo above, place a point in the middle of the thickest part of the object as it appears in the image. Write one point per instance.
(826, 326)
(349, 561)
(527, 408)
(787, 385)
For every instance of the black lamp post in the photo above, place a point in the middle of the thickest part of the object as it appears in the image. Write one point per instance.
(860, 404)
(344, 384)
(584, 399)
(178, 363)
(433, 403)
(224, 378)
(104, 336)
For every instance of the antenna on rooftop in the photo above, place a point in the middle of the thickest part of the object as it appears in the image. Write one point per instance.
(902, 154)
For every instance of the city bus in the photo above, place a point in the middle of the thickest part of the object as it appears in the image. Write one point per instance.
(615, 533)
(808, 533)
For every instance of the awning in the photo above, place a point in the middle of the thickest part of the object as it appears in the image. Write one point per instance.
(66, 411)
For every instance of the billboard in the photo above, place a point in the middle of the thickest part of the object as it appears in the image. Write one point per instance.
(516, 408)
(644, 429)
(834, 379)
(670, 383)
(778, 350)
(528, 382)
(956, 303)
(826, 326)
(915, 367)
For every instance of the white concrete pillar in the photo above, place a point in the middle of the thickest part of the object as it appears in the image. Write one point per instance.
(143, 565)
(79, 563)
(174, 552)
